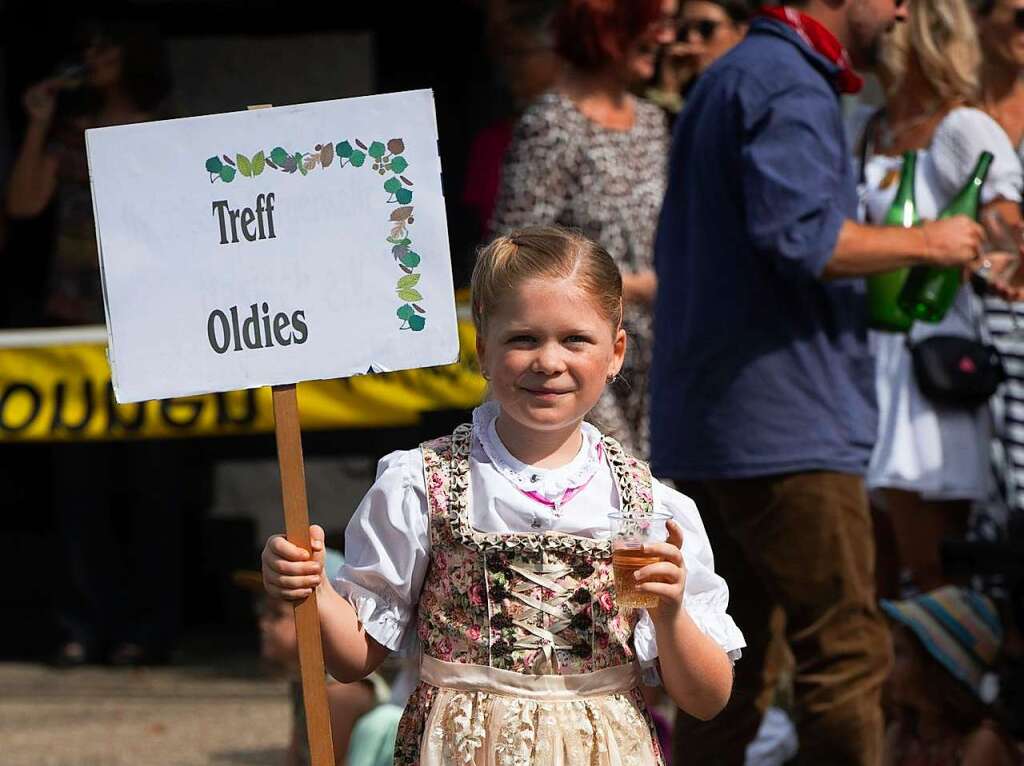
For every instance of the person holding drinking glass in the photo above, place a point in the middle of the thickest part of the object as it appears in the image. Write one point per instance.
(707, 30)
(1000, 26)
(931, 460)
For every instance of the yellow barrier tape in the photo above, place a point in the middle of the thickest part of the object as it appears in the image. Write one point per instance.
(63, 393)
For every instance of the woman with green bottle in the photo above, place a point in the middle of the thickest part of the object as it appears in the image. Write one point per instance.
(930, 462)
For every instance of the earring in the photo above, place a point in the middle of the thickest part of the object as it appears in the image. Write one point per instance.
(611, 379)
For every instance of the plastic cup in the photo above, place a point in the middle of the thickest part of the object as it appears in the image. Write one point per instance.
(629, 535)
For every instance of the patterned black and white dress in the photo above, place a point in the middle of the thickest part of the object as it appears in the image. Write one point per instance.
(563, 168)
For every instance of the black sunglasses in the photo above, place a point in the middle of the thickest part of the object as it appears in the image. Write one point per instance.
(703, 27)
(1018, 18)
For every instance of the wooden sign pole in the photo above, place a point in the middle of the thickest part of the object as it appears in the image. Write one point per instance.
(307, 618)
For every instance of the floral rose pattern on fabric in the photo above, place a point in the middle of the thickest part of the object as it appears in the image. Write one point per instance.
(529, 603)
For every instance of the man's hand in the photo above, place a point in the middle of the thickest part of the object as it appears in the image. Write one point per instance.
(952, 241)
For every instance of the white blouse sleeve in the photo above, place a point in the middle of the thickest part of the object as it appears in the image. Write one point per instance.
(958, 141)
(387, 549)
(706, 596)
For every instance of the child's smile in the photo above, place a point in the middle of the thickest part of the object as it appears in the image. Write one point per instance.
(548, 352)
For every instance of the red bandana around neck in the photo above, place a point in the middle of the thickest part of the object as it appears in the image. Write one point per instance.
(822, 40)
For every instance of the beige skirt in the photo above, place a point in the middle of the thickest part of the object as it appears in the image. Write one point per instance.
(484, 716)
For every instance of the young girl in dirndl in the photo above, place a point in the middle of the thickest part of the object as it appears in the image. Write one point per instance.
(487, 552)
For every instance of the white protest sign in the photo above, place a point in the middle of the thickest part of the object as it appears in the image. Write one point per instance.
(273, 246)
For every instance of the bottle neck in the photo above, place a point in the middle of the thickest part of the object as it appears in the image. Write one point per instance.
(905, 190)
(903, 211)
(968, 200)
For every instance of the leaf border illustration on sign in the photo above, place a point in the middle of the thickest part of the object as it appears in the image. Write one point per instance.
(387, 158)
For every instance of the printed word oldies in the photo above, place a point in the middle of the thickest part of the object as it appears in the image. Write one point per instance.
(225, 330)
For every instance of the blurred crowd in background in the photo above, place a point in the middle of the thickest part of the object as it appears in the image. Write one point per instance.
(548, 112)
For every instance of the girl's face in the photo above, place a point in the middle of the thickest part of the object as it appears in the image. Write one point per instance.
(642, 55)
(548, 352)
(1002, 32)
(907, 685)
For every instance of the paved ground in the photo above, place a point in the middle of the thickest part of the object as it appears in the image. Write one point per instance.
(218, 712)
(213, 706)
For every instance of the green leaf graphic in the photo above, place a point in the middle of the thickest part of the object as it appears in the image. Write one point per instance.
(396, 241)
(376, 150)
(404, 196)
(392, 185)
(398, 165)
(410, 281)
(213, 165)
(357, 158)
(244, 166)
(299, 163)
(227, 174)
(410, 259)
(410, 295)
(259, 161)
(417, 323)
(405, 311)
(278, 155)
(344, 150)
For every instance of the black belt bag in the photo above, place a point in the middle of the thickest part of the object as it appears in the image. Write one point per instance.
(955, 371)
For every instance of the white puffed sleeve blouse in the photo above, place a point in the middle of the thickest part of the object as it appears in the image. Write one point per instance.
(387, 544)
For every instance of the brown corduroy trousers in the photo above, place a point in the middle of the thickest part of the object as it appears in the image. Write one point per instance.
(801, 544)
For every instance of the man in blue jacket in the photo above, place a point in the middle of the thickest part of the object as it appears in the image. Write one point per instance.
(762, 384)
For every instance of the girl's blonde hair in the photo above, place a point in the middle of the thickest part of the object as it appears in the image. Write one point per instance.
(545, 251)
(941, 33)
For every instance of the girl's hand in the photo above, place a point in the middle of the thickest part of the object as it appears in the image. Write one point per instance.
(667, 578)
(289, 572)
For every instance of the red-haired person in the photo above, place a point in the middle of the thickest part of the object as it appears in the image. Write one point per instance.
(590, 155)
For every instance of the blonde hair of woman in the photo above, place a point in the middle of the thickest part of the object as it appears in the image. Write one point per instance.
(928, 66)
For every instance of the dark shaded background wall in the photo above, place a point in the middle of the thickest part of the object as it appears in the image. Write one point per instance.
(226, 55)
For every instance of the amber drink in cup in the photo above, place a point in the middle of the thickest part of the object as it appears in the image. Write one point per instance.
(629, 535)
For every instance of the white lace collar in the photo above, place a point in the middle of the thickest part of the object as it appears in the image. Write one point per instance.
(550, 483)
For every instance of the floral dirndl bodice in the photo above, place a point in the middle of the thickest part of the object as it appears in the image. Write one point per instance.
(527, 659)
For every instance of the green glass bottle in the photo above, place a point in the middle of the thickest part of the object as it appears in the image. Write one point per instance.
(884, 312)
(930, 290)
